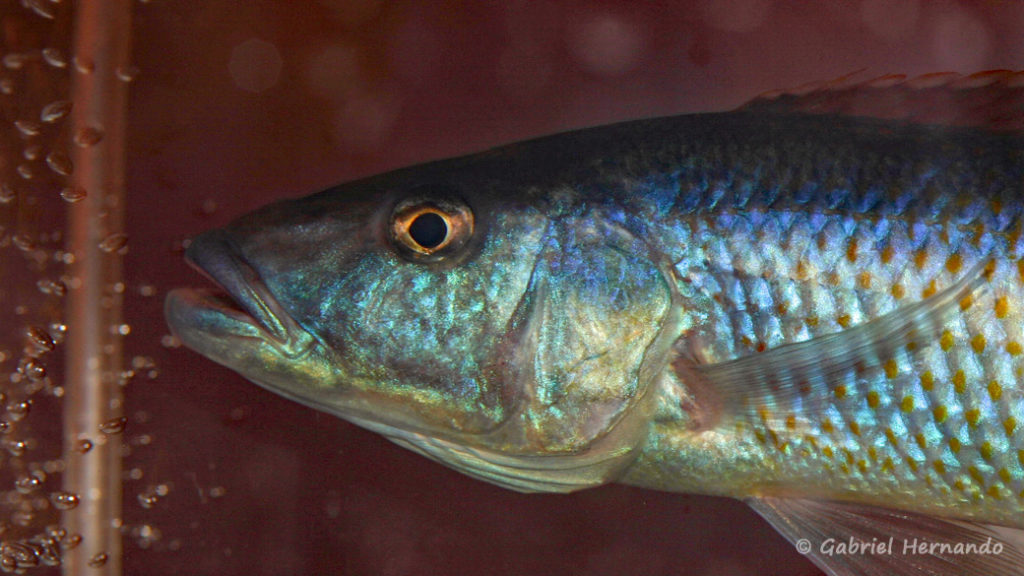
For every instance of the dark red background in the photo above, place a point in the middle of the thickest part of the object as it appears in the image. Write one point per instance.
(259, 485)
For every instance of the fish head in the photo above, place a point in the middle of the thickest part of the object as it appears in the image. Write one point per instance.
(480, 323)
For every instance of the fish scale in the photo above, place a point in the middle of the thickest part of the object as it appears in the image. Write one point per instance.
(769, 265)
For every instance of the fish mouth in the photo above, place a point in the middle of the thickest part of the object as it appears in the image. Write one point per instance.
(239, 306)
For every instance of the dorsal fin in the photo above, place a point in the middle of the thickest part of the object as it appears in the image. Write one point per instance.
(993, 99)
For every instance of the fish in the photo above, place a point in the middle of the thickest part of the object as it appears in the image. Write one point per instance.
(813, 304)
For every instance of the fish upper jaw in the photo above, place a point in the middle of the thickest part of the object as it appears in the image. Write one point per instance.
(247, 310)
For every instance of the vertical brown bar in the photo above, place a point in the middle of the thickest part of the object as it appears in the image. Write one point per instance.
(94, 361)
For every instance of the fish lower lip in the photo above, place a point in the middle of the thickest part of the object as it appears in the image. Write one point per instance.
(244, 295)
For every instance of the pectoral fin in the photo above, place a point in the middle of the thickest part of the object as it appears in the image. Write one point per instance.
(844, 539)
(807, 372)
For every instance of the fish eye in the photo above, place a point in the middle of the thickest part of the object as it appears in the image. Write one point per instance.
(431, 228)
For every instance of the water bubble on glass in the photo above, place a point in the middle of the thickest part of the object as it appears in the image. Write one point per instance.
(87, 136)
(60, 163)
(98, 560)
(14, 61)
(33, 152)
(40, 7)
(71, 541)
(55, 58)
(17, 448)
(28, 127)
(170, 341)
(83, 65)
(27, 484)
(7, 193)
(6, 86)
(25, 171)
(64, 500)
(147, 290)
(54, 111)
(113, 426)
(17, 411)
(73, 194)
(40, 338)
(51, 287)
(32, 369)
(83, 445)
(24, 242)
(147, 499)
(114, 242)
(126, 72)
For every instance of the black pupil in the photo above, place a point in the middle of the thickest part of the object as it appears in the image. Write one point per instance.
(428, 230)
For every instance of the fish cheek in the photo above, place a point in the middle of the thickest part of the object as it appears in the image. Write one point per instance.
(598, 339)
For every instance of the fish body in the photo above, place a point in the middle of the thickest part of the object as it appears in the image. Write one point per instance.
(818, 314)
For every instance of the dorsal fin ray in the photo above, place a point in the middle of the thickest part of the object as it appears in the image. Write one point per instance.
(993, 99)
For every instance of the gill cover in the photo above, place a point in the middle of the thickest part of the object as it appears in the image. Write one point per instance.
(597, 324)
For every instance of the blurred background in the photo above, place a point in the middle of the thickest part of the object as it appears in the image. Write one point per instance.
(235, 103)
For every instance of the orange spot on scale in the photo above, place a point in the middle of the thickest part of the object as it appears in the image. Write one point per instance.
(940, 413)
(886, 254)
(873, 399)
(811, 321)
(844, 320)
(986, 450)
(946, 340)
(927, 380)
(851, 250)
(1020, 269)
(973, 416)
(920, 258)
(929, 290)
(907, 404)
(1014, 348)
(978, 343)
(892, 370)
(1002, 307)
(959, 382)
(995, 493)
(1004, 475)
(840, 391)
(954, 445)
(995, 391)
(939, 466)
(1010, 425)
(954, 263)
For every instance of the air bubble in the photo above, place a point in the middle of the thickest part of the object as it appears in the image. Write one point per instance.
(52, 288)
(54, 111)
(83, 445)
(40, 338)
(64, 500)
(147, 290)
(39, 7)
(113, 426)
(73, 194)
(98, 560)
(33, 369)
(127, 72)
(25, 171)
(170, 341)
(34, 152)
(27, 484)
(18, 410)
(148, 499)
(6, 86)
(55, 58)
(82, 65)
(24, 242)
(14, 61)
(60, 163)
(28, 127)
(87, 136)
(114, 242)
(7, 194)
(17, 448)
